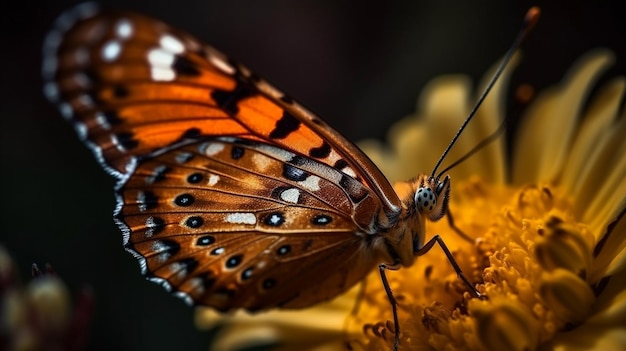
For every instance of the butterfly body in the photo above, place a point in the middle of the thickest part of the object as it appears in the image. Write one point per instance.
(229, 193)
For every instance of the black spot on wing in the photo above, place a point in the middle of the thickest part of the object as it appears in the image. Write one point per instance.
(189, 263)
(120, 91)
(191, 133)
(340, 164)
(234, 261)
(205, 240)
(112, 118)
(154, 225)
(236, 152)
(184, 200)
(147, 200)
(185, 67)
(196, 222)
(293, 173)
(274, 219)
(283, 250)
(320, 152)
(195, 178)
(355, 190)
(286, 125)
(127, 140)
(321, 219)
(170, 247)
(228, 100)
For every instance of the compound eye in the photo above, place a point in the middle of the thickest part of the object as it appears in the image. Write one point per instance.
(426, 200)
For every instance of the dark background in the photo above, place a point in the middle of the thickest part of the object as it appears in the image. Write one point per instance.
(359, 64)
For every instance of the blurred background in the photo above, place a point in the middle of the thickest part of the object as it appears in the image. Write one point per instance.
(358, 64)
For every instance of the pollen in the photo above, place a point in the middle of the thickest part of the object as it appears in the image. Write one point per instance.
(530, 259)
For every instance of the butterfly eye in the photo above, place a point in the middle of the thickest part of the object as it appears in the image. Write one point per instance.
(425, 200)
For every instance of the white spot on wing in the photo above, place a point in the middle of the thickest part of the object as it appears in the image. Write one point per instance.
(141, 201)
(124, 29)
(162, 249)
(290, 195)
(172, 44)
(162, 74)
(150, 227)
(213, 179)
(349, 171)
(111, 51)
(213, 149)
(102, 121)
(222, 65)
(196, 284)
(160, 57)
(278, 153)
(241, 218)
(311, 183)
(261, 162)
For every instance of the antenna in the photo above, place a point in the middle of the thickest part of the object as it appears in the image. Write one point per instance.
(531, 18)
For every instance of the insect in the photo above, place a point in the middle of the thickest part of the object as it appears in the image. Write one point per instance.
(230, 194)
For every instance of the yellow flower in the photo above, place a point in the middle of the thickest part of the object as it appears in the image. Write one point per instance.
(549, 233)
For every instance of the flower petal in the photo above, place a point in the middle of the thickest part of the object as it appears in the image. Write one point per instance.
(544, 137)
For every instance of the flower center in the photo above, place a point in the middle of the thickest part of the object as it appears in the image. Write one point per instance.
(530, 258)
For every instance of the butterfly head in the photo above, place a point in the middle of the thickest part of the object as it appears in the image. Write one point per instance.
(423, 197)
(431, 197)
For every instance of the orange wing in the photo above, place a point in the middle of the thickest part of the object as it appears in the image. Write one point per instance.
(132, 85)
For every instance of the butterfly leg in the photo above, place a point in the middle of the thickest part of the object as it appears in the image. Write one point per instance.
(458, 231)
(437, 240)
(392, 300)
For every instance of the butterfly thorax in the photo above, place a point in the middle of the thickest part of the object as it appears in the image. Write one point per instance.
(423, 197)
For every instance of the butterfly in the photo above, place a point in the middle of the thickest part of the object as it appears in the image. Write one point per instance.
(229, 193)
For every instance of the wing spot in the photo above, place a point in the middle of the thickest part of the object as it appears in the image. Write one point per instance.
(322, 219)
(185, 67)
(290, 195)
(213, 179)
(188, 265)
(194, 222)
(111, 50)
(126, 141)
(165, 249)
(154, 225)
(269, 283)
(293, 173)
(211, 149)
(221, 65)
(283, 250)
(183, 157)
(158, 174)
(146, 200)
(286, 125)
(241, 218)
(195, 178)
(184, 200)
(124, 28)
(234, 261)
(237, 152)
(247, 273)
(311, 183)
(274, 219)
(320, 152)
(171, 44)
(217, 251)
(205, 240)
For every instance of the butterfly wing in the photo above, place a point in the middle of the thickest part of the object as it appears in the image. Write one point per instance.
(215, 227)
(132, 85)
(232, 223)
